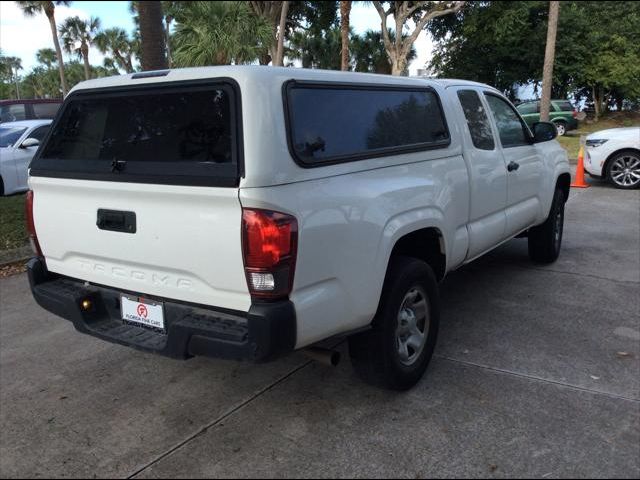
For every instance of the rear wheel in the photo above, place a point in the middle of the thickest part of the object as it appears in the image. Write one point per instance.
(623, 170)
(561, 127)
(545, 240)
(395, 353)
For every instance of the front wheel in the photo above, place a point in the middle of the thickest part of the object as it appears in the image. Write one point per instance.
(395, 353)
(545, 240)
(623, 170)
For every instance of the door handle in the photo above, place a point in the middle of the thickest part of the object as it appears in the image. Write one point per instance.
(513, 166)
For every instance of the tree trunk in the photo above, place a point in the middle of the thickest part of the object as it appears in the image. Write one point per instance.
(151, 35)
(279, 60)
(85, 58)
(345, 12)
(56, 43)
(398, 64)
(15, 78)
(596, 102)
(168, 21)
(549, 57)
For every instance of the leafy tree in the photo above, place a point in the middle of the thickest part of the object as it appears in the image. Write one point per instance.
(502, 44)
(32, 8)
(218, 33)
(77, 35)
(319, 50)
(369, 53)
(421, 13)
(43, 83)
(274, 14)
(116, 43)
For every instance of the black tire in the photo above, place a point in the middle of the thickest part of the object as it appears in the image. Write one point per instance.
(616, 167)
(545, 240)
(561, 127)
(375, 353)
(1, 187)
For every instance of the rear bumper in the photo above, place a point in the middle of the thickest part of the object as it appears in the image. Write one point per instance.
(266, 332)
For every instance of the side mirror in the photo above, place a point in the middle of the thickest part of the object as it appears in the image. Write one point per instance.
(30, 142)
(544, 132)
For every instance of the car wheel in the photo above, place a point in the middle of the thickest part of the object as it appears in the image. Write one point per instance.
(1, 187)
(395, 353)
(561, 127)
(623, 170)
(545, 240)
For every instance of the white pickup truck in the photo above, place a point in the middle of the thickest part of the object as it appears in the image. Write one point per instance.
(247, 212)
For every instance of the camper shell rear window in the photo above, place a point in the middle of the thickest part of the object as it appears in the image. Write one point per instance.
(166, 134)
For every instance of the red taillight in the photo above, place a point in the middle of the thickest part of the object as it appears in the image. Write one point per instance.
(269, 243)
(31, 228)
(575, 114)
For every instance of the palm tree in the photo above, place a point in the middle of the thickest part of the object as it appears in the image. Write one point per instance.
(151, 35)
(77, 35)
(47, 57)
(345, 12)
(30, 9)
(116, 42)
(218, 33)
(11, 65)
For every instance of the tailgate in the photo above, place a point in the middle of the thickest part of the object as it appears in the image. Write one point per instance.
(186, 245)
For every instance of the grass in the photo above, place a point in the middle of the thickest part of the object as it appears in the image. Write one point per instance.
(571, 141)
(12, 228)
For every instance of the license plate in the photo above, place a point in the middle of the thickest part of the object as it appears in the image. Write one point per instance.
(142, 312)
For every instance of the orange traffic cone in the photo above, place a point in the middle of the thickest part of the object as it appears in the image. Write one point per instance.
(579, 181)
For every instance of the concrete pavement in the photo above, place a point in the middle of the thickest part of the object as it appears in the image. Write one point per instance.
(537, 373)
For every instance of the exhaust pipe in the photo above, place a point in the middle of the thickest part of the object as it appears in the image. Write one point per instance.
(330, 358)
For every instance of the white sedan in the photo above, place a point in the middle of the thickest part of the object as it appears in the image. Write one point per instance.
(19, 142)
(615, 155)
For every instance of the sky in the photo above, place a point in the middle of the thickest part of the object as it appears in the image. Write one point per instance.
(22, 37)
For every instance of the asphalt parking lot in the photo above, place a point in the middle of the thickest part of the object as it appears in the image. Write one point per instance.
(537, 374)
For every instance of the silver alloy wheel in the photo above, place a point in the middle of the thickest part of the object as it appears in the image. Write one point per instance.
(561, 129)
(625, 170)
(413, 325)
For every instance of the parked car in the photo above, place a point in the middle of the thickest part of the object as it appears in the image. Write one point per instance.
(562, 114)
(246, 212)
(614, 154)
(16, 110)
(18, 143)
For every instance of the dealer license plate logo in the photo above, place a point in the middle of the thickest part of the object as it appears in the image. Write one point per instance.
(142, 312)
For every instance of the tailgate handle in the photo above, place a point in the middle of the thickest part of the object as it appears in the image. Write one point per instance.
(116, 221)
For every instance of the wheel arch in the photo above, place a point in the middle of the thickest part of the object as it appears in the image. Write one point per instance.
(426, 244)
(564, 183)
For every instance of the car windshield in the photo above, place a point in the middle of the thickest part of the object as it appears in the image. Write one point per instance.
(10, 135)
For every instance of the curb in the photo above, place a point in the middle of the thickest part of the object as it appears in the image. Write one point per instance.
(15, 255)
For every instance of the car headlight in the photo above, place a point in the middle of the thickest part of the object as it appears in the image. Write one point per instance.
(596, 142)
